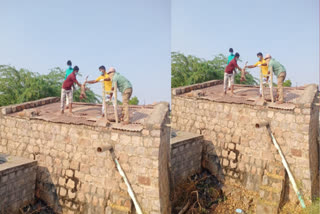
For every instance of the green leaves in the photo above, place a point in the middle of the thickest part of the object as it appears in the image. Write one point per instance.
(134, 101)
(17, 86)
(187, 70)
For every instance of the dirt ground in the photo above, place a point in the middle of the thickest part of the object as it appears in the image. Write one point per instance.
(202, 193)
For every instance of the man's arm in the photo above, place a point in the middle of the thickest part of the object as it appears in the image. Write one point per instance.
(251, 66)
(76, 81)
(92, 81)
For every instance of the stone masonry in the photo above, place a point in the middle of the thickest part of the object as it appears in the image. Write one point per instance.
(236, 151)
(17, 183)
(186, 154)
(73, 178)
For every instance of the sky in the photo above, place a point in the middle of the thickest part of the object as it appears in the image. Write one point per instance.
(132, 36)
(286, 29)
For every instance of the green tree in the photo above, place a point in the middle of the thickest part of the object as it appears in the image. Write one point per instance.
(17, 86)
(134, 101)
(187, 70)
(287, 83)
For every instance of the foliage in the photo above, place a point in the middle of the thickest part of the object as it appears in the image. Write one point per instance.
(17, 86)
(187, 70)
(287, 83)
(134, 101)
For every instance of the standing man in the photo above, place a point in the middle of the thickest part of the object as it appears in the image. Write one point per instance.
(68, 72)
(228, 73)
(125, 88)
(263, 69)
(107, 85)
(280, 71)
(230, 57)
(66, 89)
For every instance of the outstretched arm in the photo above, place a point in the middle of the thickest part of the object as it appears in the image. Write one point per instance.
(92, 81)
(251, 66)
(78, 83)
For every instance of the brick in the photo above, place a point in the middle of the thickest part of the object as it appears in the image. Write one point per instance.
(70, 184)
(63, 191)
(296, 152)
(144, 180)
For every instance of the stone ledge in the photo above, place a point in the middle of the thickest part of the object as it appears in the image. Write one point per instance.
(19, 107)
(158, 116)
(186, 89)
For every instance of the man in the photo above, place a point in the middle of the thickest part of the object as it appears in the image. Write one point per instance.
(107, 85)
(230, 57)
(125, 88)
(68, 72)
(280, 71)
(66, 89)
(228, 73)
(263, 69)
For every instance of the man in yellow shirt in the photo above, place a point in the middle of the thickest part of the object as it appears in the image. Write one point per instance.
(107, 84)
(264, 69)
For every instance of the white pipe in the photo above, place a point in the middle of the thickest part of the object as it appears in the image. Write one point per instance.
(285, 164)
(130, 191)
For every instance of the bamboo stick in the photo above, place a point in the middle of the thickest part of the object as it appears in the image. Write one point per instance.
(261, 84)
(271, 86)
(104, 99)
(116, 102)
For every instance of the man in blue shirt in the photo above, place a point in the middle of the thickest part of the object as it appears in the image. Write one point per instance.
(68, 72)
(230, 57)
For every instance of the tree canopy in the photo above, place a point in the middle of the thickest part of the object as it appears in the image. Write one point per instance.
(17, 86)
(134, 101)
(187, 70)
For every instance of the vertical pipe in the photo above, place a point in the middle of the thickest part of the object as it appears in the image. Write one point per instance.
(261, 84)
(271, 86)
(116, 102)
(104, 99)
(286, 166)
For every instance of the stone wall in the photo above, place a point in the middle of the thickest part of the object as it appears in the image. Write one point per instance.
(72, 177)
(17, 184)
(186, 154)
(238, 152)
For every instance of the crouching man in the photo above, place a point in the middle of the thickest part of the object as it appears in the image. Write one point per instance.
(67, 89)
(125, 87)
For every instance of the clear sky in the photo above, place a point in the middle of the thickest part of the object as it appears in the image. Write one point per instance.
(132, 36)
(287, 29)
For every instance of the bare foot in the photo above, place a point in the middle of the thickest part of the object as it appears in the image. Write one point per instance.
(280, 102)
(61, 112)
(125, 123)
(225, 93)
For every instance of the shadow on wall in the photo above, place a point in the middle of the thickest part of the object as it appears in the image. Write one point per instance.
(44, 185)
(211, 161)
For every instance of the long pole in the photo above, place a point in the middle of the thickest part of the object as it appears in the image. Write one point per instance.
(271, 86)
(116, 102)
(104, 99)
(123, 175)
(286, 166)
